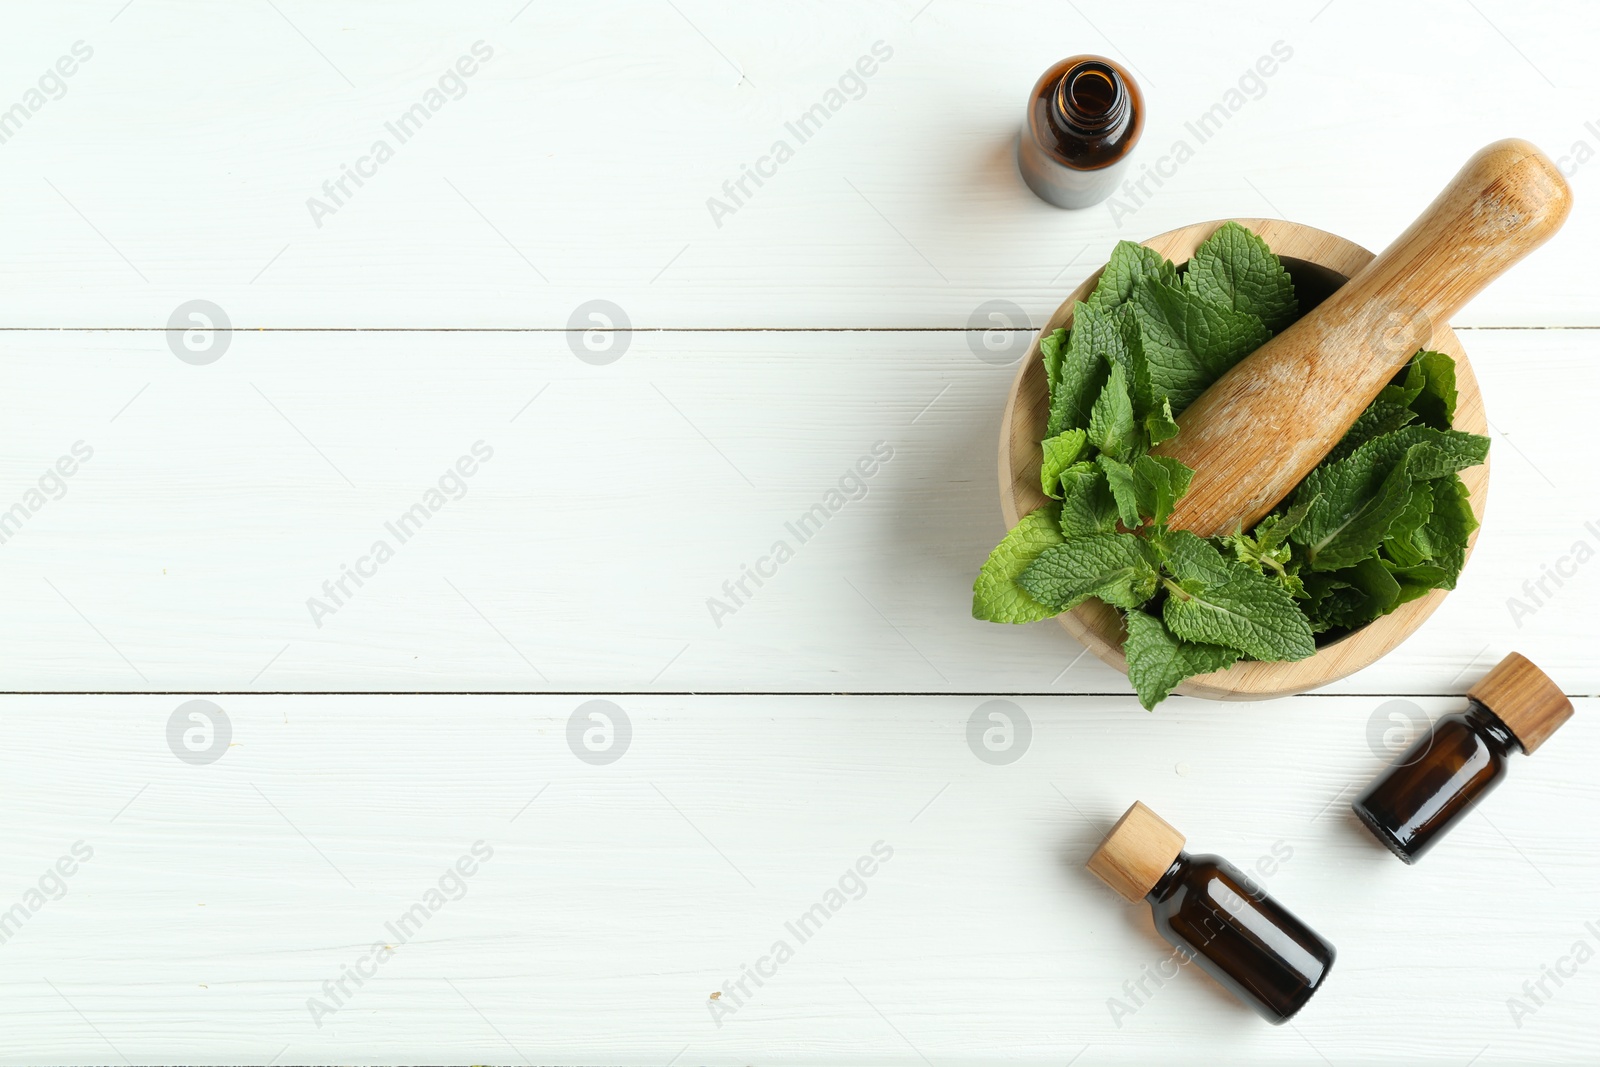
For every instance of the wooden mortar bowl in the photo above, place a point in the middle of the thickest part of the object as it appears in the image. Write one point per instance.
(1319, 262)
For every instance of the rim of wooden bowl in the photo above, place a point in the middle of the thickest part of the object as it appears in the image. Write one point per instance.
(1100, 626)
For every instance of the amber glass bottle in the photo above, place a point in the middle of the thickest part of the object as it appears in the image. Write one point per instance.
(1084, 117)
(1454, 765)
(1210, 909)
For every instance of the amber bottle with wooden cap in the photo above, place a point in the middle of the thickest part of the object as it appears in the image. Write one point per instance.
(1216, 915)
(1084, 117)
(1449, 769)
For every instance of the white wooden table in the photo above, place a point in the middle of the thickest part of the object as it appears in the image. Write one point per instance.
(228, 870)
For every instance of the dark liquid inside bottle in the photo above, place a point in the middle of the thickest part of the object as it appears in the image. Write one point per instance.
(1240, 936)
(1441, 777)
(1084, 117)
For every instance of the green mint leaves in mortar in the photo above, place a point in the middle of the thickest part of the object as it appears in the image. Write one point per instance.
(1382, 520)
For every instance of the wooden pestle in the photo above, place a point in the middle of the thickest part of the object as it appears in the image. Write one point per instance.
(1261, 427)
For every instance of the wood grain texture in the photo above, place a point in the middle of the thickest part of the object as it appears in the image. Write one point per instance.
(843, 304)
(616, 900)
(1098, 625)
(615, 508)
(586, 150)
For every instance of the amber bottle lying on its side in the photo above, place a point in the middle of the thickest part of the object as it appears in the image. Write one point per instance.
(1212, 911)
(1454, 765)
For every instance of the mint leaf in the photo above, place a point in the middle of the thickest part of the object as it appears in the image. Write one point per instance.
(1348, 599)
(1450, 523)
(1188, 342)
(1123, 347)
(1191, 558)
(1111, 426)
(1159, 425)
(1236, 269)
(1158, 661)
(1417, 581)
(1060, 452)
(1050, 346)
(1353, 502)
(1248, 611)
(1086, 502)
(1400, 543)
(1116, 567)
(1124, 489)
(1435, 403)
(1273, 532)
(1381, 417)
(996, 596)
(1432, 453)
(1130, 262)
(1267, 551)
(1159, 482)
(1080, 370)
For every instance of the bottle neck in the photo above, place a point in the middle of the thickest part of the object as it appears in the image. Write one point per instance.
(1091, 99)
(1491, 728)
(1169, 881)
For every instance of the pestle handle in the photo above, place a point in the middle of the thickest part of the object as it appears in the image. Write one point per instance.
(1261, 427)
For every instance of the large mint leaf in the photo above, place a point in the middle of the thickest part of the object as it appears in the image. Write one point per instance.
(1236, 269)
(1432, 453)
(996, 596)
(1080, 370)
(1130, 262)
(1353, 502)
(1060, 452)
(1117, 568)
(1188, 341)
(1158, 661)
(1111, 426)
(1248, 611)
(1086, 502)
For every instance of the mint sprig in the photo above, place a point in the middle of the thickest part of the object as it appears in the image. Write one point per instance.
(1384, 519)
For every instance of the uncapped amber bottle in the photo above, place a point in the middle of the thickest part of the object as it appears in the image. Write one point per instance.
(1084, 117)
(1454, 765)
(1213, 912)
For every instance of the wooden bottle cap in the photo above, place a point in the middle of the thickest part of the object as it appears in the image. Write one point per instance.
(1136, 853)
(1525, 699)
